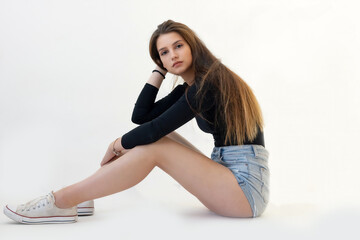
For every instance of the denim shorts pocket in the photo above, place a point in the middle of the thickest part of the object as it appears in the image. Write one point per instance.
(239, 168)
(237, 165)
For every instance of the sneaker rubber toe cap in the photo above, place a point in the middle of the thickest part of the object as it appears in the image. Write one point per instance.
(11, 207)
(10, 211)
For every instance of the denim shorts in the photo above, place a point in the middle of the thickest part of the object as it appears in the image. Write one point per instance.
(249, 164)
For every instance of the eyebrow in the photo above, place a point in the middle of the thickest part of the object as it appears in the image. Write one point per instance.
(172, 44)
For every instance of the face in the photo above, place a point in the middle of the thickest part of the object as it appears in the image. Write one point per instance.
(175, 54)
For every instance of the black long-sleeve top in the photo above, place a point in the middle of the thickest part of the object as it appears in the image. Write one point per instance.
(160, 118)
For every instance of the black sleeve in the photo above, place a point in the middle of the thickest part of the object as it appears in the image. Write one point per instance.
(146, 110)
(171, 119)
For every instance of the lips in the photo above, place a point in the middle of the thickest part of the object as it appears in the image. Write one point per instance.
(176, 63)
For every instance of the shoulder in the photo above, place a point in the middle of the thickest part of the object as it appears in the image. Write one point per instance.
(199, 89)
(179, 89)
(204, 95)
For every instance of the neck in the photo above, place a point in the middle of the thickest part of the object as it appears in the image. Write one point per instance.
(189, 76)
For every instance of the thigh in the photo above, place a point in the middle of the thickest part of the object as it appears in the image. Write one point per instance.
(180, 139)
(213, 184)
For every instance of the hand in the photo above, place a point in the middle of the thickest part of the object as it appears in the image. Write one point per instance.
(161, 70)
(110, 155)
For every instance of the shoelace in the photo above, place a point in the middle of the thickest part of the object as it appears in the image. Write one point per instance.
(36, 203)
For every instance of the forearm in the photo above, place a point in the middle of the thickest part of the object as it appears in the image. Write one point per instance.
(155, 78)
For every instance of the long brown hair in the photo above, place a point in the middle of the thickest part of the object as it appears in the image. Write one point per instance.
(242, 114)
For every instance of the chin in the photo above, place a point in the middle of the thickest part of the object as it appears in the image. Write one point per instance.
(180, 71)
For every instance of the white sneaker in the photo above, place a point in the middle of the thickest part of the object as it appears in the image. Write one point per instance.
(41, 210)
(86, 208)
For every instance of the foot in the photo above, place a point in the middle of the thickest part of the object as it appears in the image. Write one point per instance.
(41, 210)
(86, 208)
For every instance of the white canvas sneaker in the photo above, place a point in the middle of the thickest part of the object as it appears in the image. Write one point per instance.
(41, 210)
(86, 208)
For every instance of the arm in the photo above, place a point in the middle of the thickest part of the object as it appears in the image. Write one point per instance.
(174, 117)
(146, 109)
(149, 132)
(156, 79)
(165, 124)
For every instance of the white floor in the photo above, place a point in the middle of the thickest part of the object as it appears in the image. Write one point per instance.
(145, 212)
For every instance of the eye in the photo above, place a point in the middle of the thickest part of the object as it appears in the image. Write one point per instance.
(179, 46)
(163, 53)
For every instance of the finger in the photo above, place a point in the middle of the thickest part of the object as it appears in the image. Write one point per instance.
(108, 155)
(106, 159)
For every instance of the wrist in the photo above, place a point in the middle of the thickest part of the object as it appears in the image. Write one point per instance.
(160, 69)
(159, 73)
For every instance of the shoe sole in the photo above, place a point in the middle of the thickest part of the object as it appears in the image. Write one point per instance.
(39, 220)
(85, 211)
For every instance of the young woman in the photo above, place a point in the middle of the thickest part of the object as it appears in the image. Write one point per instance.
(233, 182)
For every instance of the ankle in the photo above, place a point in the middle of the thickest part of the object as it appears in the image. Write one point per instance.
(60, 201)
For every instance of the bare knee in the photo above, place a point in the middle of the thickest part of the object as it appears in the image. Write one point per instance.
(145, 150)
(155, 151)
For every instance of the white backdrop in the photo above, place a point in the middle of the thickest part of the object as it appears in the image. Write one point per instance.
(70, 72)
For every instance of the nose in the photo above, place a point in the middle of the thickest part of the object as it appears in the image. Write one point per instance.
(174, 55)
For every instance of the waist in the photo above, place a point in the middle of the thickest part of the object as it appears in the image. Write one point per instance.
(255, 150)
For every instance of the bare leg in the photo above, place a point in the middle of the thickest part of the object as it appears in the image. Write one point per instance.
(137, 168)
(213, 184)
(119, 175)
(178, 138)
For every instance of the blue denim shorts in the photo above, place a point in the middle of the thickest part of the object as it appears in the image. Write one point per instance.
(249, 164)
